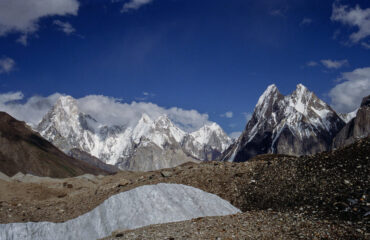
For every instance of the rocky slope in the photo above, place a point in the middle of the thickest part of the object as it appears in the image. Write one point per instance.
(22, 150)
(296, 124)
(251, 225)
(357, 127)
(325, 195)
(151, 144)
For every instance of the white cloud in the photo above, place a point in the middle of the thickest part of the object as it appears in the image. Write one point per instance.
(6, 65)
(31, 111)
(312, 64)
(134, 5)
(227, 114)
(346, 96)
(235, 135)
(20, 16)
(111, 111)
(306, 21)
(65, 27)
(353, 17)
(106, 110)
(334, 64)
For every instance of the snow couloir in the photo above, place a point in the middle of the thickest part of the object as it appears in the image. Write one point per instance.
(142, 206)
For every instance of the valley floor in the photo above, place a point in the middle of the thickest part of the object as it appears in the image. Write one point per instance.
(261, 224)
(325, 196)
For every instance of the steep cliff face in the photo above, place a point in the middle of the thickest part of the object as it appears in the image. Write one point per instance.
(358, 127)
(150, 145)
(296, 124)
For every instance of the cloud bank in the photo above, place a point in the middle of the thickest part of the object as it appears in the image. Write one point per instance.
(334, 64)
(106, 110)
(353, 17)
(30, 111)
(347, 95)
(20, 16)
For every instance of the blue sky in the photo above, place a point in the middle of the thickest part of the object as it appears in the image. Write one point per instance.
(216, 57)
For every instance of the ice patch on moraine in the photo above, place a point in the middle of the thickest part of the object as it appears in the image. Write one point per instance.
(142, 206)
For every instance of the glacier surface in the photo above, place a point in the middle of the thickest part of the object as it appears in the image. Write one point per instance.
(142, 206)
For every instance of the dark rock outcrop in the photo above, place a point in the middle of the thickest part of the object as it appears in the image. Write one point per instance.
(358, 127)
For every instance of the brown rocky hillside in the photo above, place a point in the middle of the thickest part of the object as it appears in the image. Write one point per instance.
(23, 150)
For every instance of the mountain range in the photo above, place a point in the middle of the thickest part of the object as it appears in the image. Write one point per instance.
(296, 124)
(151, 144)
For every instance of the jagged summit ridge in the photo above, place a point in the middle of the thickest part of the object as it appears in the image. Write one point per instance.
(68, 128)
(296, 124)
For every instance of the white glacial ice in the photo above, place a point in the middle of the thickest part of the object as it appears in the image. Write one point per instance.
(142, 206)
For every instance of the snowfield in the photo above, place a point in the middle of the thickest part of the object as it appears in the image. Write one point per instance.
(142, 206)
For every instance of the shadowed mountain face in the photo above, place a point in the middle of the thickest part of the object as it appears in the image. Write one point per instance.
(23, 150)
(296, 124)
(358, 127)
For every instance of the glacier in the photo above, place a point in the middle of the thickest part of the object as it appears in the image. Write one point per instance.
(142, 206)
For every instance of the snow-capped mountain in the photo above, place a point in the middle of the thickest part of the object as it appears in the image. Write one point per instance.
(296, 124)
(151, 144)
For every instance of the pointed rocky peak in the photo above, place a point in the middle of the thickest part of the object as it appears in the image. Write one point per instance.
(266, 102)
(301, 88)
(301, 92)
(143, 127)
(300, 99)
(270, 93)
(205, 134)
(67, 104)
(212, 127)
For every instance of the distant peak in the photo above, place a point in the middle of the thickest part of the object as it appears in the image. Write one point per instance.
(66, 104)
(66, 100)
(163, 120)
(213, 126)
